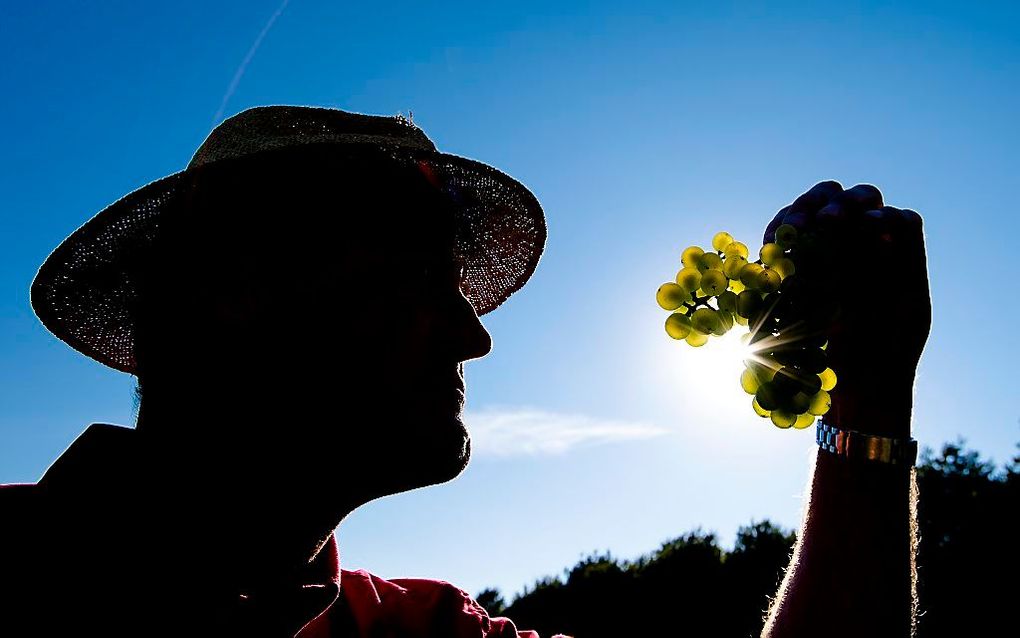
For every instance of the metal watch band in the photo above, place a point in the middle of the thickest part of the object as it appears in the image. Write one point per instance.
(867, 447)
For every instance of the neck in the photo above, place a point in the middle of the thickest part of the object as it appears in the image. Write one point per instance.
(226, 511)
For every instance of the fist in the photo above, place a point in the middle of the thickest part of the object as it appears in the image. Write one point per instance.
(877, 278)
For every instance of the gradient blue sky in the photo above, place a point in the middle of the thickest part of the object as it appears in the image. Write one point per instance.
(642, 127)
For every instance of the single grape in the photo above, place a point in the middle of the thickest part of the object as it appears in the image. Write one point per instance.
(820, 403)
(783, 419)
(769, 253)
(828, 379)
(800, 402)
(749, 275)
(713, 282)
(671, 296)
(705, 320)
(710, 261)
(784, 266)
(767, 396)
(721, 240)
(727, 301)
(678, 326)
(689, 279)
(737, 286)
(749, 382)
(725, 322)
(736, 248)
(747, 303)
(733, 265)
(768, 280)
(786, 236)
(803, 421)
(798, 381)
(739, 320)
(813, 360)
(696, 339)
(760, 411)
(690, 256)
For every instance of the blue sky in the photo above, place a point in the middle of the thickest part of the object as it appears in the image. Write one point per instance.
(641, 127)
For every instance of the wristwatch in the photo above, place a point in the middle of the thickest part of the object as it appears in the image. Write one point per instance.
(866, 447)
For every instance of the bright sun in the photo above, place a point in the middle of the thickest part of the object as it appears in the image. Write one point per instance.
(708, 378)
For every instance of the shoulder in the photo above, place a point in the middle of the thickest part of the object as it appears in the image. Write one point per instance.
(419, 608)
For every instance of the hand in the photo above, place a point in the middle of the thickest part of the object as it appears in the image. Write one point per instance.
(878, 279)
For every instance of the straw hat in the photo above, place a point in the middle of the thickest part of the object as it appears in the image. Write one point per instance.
(85, 291)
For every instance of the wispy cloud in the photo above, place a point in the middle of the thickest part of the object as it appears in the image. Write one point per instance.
(505, 432)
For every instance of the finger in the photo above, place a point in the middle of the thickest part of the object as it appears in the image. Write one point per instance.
(860, 198)
(816, 197)
(802, 210)
(777, 221)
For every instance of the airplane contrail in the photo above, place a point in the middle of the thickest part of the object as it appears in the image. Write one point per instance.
(247, 58)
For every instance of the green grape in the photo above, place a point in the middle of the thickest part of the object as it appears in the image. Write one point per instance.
(714, 282)
(768, 280)
(737, 286)
(800, 402)
(678, 326)
(696, 339)
(725, 322)
(828, 379)
(803, 421)
(786, 236)
(767, 396)
(689, 279)
(721, 240)
(820, 403)
(710, 261)
(736, 248)
(727, 301)
(798, 381)
(733, 265)
(705, 320)
(740, 320)
(813, 360)
(701, 293)
(760, 411)
(690, 256)
(747, 303)
(749, 382)
(769, 253)
(783, 419)
(749, 275)
(762, 371)
(784, 266)
(671, 296)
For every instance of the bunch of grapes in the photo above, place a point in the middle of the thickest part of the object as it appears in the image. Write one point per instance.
(787, 315)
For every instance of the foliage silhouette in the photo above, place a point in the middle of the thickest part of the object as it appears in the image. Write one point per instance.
(967, 566)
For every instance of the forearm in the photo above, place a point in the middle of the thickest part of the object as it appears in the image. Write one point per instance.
(852, 572)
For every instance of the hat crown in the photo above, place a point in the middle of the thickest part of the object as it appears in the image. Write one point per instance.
(266, 128)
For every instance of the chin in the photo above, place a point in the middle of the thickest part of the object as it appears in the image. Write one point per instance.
(443, 452)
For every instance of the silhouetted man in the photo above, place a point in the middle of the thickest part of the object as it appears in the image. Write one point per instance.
(297, 306)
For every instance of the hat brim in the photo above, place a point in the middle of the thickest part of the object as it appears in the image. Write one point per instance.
(85, 291)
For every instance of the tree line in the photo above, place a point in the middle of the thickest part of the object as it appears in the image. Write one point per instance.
(967, 560)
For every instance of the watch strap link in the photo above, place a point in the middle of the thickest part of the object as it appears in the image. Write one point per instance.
(868, 447)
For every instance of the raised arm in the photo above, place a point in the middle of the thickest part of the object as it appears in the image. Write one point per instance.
(852, 571)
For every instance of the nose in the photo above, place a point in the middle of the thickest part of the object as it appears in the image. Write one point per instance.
(473, 340)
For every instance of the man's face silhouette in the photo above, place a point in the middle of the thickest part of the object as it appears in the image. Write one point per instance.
(331, 340)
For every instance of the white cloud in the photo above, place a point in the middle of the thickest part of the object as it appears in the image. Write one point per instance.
(504, 432)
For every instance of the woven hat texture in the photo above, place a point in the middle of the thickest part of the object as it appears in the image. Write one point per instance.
(85, 292)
